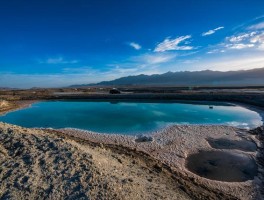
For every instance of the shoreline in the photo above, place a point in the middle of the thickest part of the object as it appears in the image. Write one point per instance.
(22, 104)
(18, 105)
(49, 158)
(172, 145)
(153, 149)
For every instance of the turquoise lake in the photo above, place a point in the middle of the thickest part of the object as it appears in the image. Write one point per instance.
(129, 117)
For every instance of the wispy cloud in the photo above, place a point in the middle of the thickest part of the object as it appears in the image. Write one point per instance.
(261, 47)
(257, 26)
(150, 63)
(240, 37)
(76, 70)
(152, 59)
(252, 41)
(135, 45)
(215, 51)
(120, 71)
(258, 38)
(251, 36)
(236, 63)
(247, 37)
(58, 60)
(210, 32)
(239, 46)
(173, 44)
(246, 40)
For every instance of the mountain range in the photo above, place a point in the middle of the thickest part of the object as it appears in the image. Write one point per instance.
(252, 77)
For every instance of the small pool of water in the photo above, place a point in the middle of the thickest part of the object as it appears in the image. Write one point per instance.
(223, 143)
(129, 117)
(222, 166)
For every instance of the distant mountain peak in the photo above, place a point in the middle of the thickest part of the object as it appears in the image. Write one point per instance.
(253, 77)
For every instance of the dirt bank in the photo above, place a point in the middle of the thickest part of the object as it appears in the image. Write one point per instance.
(36, 163)
(48, 164)
(8, 106)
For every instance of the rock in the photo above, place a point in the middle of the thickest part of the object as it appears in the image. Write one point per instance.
(157, 168)
(130, 180)
(126, 180)
(119, 160)
(144, 138)
(257, 131)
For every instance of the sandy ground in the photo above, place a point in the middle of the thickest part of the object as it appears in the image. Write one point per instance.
(47, 164)
(173, 145)
(38, 164)
(4, 106)
(76, 164)
(8, 106)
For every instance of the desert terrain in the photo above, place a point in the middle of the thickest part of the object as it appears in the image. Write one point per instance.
(70, 164)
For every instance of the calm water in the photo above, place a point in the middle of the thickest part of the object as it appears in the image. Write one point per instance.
(223, 166)
(127, 117)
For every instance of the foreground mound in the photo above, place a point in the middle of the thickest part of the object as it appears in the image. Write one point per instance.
(40, 164)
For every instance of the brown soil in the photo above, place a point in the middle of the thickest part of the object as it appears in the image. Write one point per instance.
(49, 165)
(7, 106)
(37, 163)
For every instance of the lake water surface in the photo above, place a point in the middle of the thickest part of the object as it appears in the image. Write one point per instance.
(129, 117)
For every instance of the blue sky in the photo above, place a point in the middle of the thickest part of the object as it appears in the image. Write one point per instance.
(56, 43)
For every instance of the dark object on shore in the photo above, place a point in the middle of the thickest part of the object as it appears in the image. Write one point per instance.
(157, 168)
(143, 138)
(257, 131)
(114, 91)
(211, 107)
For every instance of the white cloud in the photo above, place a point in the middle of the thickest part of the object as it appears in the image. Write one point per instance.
(254, 40)
(257, 26)
(151, 63)
(85, 75)
(239, 46)
(250, 39)
(135, 45)
(237, 63)
(228, 63)
(216, 51)
(173, 44)
(76, 70)
(239, 38)
(261, 47)
(121, 71)
(259, 38)
(58, 60)
(210, 32)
